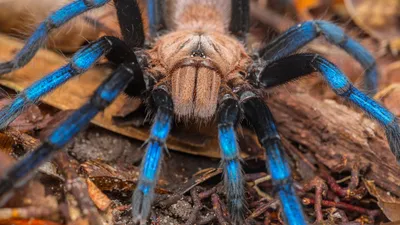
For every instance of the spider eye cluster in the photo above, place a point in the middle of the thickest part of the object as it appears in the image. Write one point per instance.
(198, 53)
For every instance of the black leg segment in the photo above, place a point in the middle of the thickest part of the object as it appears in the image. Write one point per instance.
(130, 22)
(240, 19)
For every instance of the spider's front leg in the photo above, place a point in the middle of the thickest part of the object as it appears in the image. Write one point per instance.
(301, 34)
(228, 116)
(260, 117)
(150, 167)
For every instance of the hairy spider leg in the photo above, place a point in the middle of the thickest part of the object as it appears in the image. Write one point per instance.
(240, 19)
(228, 114)
(80, 62)
(301, 34)
(23, 170)
(296, 66)
(130, 22)
(155, 14)
(38, 38)
(150, 166)
(260, 117)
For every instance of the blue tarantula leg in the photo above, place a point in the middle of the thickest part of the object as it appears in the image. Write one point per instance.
(260, 117)
(80, 63)
(228, 114)
(301, 34)
(130, 22)
(38, 38)
(150, 167)
(24, 169)
(299, 65)
(155, 14)
(240, 19)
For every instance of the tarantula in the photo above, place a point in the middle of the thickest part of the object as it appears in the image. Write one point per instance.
(198, 69)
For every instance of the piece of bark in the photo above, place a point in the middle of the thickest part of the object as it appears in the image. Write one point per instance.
(334, 132)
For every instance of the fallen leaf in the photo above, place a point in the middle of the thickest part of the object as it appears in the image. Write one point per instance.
(389, 204)
(99, 198)
(108, 178)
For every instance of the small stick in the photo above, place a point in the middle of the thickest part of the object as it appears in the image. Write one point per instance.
(197, 206)
(217, 207)
(343, 205)
(320, 190)
(77, 186)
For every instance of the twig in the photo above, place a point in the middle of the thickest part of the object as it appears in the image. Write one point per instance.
(218, 210)
(197, 206)
(320, 190)
(261, 209)
(343, 205)
(77, 186)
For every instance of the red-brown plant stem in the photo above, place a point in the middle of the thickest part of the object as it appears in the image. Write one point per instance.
(342, 205)
(320, 189)
(218, 209)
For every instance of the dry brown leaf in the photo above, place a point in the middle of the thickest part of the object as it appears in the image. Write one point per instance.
(389, 204)
(108, 178)
(99, 198)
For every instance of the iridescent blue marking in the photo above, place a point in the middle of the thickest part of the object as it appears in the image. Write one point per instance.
(37, 37)
(64, 133)
(299, 35)
(277, 163)
(87, 56)
(291, 205)
(151, 11)
(233, 171)
(47, 83)
(67, 12)
(152, 161)
(333, 76)
(227, 142)
(80, 63)
(108, 95)
(338, 81)
(161, 127)
(145, 188)
(380, 113)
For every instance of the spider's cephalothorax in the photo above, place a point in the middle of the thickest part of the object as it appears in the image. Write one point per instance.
(196, 64)
(197, 59)
(197, 70)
